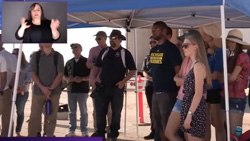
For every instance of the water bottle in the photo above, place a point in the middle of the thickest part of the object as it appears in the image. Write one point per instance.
(48, 107)
(238, 132)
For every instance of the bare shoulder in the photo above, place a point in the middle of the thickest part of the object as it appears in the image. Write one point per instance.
(199, 69)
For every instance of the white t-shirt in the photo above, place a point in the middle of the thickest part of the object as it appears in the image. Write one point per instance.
(11, 63)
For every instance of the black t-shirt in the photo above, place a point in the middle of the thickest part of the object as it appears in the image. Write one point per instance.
(163, 60)
(79, 69)
(37, 33)
(112, 66)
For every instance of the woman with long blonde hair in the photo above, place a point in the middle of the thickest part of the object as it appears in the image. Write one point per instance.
(193, 112)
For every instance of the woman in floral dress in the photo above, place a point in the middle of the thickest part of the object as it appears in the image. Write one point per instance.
(193, 112)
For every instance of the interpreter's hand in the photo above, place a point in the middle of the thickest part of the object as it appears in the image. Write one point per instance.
(187, 122)
(120, 84)
(55, 23)
(23, 23)
(46, 91)
(239, 78)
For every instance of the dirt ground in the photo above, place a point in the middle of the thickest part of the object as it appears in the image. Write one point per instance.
(128, 131)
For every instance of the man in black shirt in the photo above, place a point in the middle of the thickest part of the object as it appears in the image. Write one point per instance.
(114, 61)
(77, 73)
(165, 62)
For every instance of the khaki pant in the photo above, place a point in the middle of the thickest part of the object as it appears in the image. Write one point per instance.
(37, 104)
(6, 111)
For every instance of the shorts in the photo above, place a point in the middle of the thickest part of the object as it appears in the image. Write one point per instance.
(177, 106)
(236, 105)
(213, 96)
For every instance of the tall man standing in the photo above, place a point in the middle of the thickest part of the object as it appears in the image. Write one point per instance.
(114, 62)
(77, 73)
(165, 60)
(101, 38)
(47, 68)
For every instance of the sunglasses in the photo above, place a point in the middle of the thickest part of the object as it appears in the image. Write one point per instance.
(186, 45)
(98, 38)
(152, 42)
(113, 37)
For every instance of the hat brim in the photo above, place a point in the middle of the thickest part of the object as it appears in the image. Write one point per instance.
(123, 37)
(218, 42)
(245, 45)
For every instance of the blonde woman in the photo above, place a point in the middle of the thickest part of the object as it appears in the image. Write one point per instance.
(193, 112)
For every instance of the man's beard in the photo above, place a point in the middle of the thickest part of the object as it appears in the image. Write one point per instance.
(112, 44)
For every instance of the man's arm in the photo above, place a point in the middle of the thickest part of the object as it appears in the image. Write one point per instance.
(122, 83)
(45, 90)
(57, 81)
(90, 65)
(96, 71)
(148, 77)
(3, 80)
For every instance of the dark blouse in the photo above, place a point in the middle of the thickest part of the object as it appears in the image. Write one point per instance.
(37, 33)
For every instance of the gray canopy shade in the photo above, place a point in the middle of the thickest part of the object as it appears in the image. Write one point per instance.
(180, 17)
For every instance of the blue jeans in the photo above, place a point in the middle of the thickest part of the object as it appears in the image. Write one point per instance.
(81, 99)
(20, 105)
(114, 96)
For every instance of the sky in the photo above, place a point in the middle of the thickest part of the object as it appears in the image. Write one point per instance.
(83, 36)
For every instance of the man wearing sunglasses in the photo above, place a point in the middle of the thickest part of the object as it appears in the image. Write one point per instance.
(101, 38)
(113, 77)
(165, 62)
(149, 86)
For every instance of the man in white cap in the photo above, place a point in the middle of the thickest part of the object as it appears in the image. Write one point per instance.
(101, 38)
(77, 73)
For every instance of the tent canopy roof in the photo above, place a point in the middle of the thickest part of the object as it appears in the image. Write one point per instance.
(142, 13)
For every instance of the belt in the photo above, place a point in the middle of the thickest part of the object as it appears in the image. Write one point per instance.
(158, 93)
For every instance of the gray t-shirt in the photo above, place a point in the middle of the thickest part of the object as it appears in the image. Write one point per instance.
(47, 71)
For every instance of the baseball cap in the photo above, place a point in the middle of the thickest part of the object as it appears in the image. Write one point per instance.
(76, 45)
(101, 34)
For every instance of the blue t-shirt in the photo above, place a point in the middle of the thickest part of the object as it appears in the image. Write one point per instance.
(163, 60)
(216, 64)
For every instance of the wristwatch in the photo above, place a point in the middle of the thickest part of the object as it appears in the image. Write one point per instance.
(1, 92)
(190, 113)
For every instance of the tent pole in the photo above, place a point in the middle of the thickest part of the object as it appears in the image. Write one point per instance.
(13, 107)
(126, 92)
(136, 88)
(223, 27)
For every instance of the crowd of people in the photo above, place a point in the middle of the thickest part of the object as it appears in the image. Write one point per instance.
(184, 87)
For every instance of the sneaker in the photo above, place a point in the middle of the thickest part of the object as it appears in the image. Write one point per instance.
(84, 134)
(70, 134)
(150, 136)
(18, 134)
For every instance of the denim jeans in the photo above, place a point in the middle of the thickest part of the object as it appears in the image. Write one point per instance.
(114, 96)
(81, 99)
(20, 105)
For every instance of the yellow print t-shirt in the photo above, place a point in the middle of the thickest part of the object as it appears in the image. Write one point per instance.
(156, 58)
